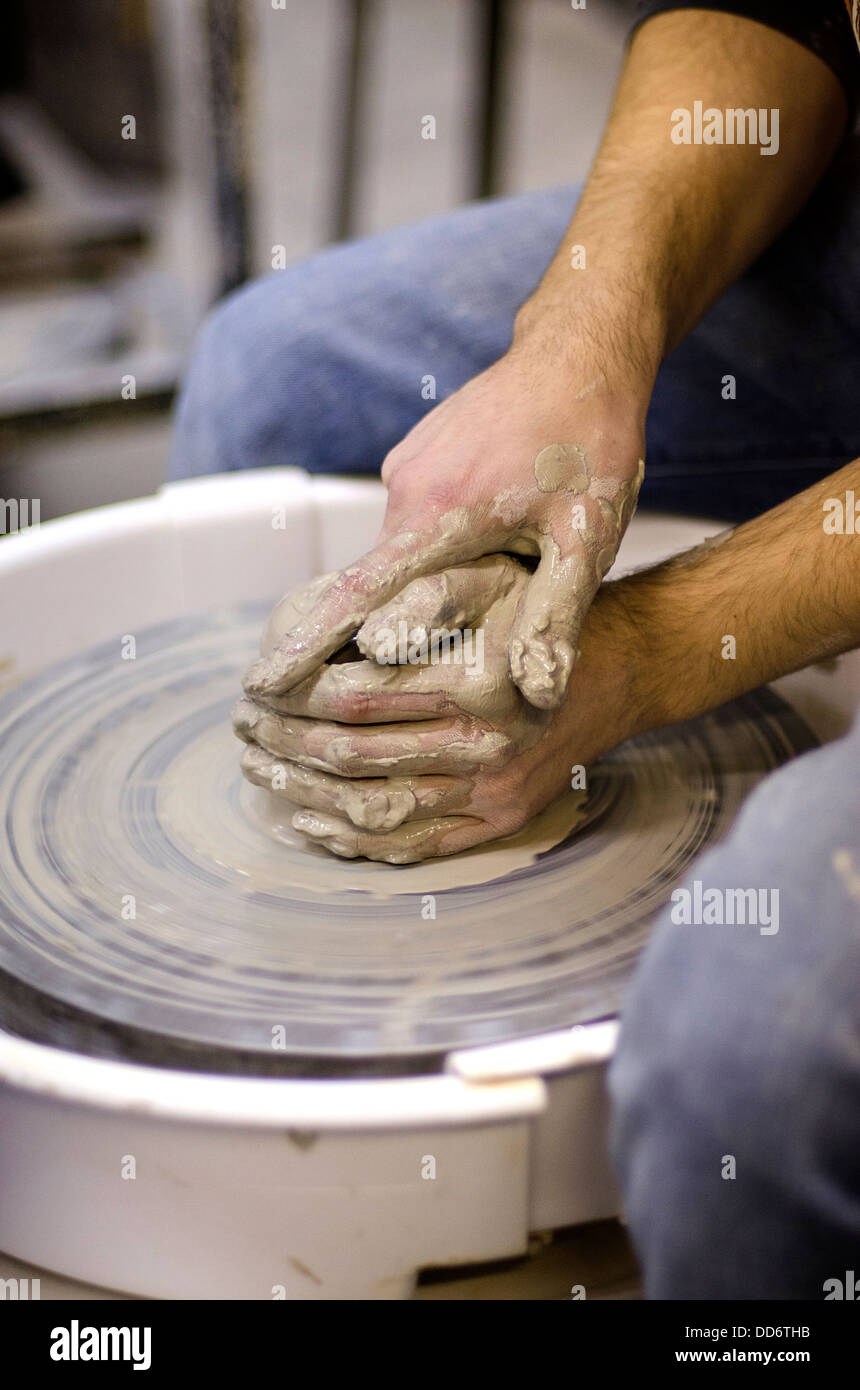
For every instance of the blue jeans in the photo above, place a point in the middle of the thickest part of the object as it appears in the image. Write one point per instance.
(740, 1051)
(736, 1086)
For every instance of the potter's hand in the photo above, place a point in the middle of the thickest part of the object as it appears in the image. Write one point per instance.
(406, 762)
(451, 630)
(520, 459)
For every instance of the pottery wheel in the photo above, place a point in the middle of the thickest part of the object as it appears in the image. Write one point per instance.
(144, 921)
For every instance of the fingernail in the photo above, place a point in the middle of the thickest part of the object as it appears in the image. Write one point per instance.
(366, 637)
(310, 824)
(257, 677)
(604, 561)
(547, 665)
(245, 716)
(343, 848)
(515, 656)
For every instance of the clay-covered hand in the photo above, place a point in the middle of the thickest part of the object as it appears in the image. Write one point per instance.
(404, 762)
(517, 460)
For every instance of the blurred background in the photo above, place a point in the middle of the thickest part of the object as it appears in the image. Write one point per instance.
(154, 152)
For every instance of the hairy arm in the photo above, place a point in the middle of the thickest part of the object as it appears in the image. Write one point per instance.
(784, 588)
(667, 227)
(555, 427)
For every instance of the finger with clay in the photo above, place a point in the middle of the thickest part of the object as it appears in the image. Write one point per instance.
(383, 758)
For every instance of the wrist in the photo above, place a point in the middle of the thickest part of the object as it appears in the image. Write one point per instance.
(620, 658)
(611, 670)
(613, 338)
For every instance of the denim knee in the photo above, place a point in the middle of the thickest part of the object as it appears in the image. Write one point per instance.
(736, 1088)
(241, 405)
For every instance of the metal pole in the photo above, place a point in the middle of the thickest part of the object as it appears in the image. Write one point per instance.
(357, 17)
(491, 44)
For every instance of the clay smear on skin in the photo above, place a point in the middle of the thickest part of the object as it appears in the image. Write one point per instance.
(311, 868)
(542, 663)
(562, 468)
(558, 467)
(488, 697)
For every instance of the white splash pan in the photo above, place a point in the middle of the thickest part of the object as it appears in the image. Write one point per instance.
(257, 1188)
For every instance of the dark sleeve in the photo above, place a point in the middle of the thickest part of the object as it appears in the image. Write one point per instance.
(822, 25)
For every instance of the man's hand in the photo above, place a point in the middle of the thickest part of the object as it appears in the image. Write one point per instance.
(521, 459)
(404, 762)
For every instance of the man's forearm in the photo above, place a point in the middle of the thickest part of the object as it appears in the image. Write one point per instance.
(753, 604)
(666, 227)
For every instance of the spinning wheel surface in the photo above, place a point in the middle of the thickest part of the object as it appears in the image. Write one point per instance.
(147, 913)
